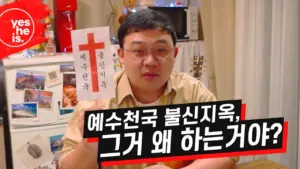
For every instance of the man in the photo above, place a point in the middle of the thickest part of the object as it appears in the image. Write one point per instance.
(147, 49)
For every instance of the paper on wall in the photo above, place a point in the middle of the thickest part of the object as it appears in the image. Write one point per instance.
(93, 63)
(34, 152)
(53, 78)
(47, 165)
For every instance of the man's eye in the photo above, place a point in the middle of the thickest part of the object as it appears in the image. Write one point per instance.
(160, 50)
(138, 51)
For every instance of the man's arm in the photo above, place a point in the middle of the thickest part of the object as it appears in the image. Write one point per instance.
(202, 94)
(79, 158)
(76, 152)
(212, 163)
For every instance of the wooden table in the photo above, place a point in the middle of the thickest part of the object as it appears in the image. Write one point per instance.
(261, 164)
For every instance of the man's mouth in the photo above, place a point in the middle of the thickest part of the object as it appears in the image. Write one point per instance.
(150, 75)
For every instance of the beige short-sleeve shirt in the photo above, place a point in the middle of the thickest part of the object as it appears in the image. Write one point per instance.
(181, 88)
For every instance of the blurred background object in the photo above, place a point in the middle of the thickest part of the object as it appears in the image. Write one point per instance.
(2, 2)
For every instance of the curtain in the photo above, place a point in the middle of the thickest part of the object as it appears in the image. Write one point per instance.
(218, 22)
(252, 47)
(266, 68)
(187, 60)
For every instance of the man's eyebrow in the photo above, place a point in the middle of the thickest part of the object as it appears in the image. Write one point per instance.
(136, 42)
(161, 41)
(158, 41)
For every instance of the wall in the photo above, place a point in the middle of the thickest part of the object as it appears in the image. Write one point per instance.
(95, 13)
(2, 152)
(2, 89)
(92, 13)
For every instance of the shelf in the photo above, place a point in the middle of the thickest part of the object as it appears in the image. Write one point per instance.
(18, 61)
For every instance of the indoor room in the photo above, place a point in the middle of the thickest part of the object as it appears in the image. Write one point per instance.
(231, 49)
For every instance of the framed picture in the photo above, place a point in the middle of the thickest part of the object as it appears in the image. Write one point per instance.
(64, 113)
(56, 143)
(67, 68)
(26, 79)
(69, 95)
(24, 111)
(43, 98)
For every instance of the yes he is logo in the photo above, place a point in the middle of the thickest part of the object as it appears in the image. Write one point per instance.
(18, 26)
(21, 29)
(22, 25)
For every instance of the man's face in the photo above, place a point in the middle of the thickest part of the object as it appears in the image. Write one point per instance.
(148, 58)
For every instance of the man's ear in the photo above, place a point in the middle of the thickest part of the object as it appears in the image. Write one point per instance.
(176, 52)
(121, 55)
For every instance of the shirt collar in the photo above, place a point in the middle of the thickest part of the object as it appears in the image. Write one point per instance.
(124, 88)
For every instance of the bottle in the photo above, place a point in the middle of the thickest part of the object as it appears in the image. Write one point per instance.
(36, 48)
(50, 47)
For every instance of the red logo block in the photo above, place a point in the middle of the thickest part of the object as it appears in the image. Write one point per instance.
(21, 26)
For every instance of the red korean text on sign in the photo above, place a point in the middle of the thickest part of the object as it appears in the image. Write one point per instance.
(91, 47)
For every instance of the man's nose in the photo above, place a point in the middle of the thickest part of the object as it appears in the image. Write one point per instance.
(150, 60)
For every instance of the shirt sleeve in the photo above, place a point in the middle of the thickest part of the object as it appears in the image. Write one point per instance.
(202, 94)
(73, 135)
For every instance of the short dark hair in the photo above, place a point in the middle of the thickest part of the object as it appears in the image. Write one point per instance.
(146, 19)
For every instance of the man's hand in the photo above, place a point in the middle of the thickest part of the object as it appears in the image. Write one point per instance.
(158, 166)
(212, 163)
(93, 147)
(84, 156)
